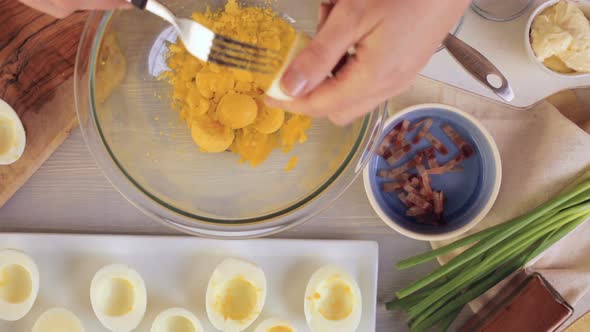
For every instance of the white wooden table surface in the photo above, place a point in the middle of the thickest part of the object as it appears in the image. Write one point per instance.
(70, 194)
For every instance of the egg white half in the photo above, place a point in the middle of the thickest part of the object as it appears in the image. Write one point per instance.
(235, 295)
(333, 301)
(119, 297)
(12, 135)
(176, 320)
(58, 319)
(275, 91)
(19, 284)
(275, 325)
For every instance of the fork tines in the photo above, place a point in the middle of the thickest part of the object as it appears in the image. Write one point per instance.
(232, 53)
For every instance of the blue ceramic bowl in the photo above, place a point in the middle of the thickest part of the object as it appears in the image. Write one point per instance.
(469, 194)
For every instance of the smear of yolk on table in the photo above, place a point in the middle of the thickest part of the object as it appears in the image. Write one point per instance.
(224, 107)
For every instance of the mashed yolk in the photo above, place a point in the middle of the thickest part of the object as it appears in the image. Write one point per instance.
(224, 107)
(292, 163)
(280, 328)
(254, 146)
(293, 131)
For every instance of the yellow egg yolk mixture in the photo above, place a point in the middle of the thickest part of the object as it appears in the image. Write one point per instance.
(224, 107)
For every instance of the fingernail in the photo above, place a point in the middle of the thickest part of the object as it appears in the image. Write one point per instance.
(293, 82)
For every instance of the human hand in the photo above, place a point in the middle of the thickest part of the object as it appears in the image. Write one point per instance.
(63, 8)
(394, 40)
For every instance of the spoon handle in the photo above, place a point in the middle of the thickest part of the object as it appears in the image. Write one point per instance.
(479, 67)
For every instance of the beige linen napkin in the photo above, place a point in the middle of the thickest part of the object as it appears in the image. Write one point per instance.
(541, 152)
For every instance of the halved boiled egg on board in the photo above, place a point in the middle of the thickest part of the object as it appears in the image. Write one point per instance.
(19, 284)
(12, 135)
(275, 325)
(119, 297)
(333, 301)
(58, 320)
(176, 320)
(235, 295)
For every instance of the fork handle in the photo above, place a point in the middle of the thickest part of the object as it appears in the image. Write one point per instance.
(156, 8)
(139, 3)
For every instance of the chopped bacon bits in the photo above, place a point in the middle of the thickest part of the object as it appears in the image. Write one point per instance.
(388, 141)
(412, 180)
(419, 201)
(425, 124)
(450, 166)
(438, 203)
(394, 172)
(390, 187)
(415, 211)
(404, 199)
(398, 155)
(430, 154)
(465, 148)
(437, 144)
(402, 133)
(425, 180)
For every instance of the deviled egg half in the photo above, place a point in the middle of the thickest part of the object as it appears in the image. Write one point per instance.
(176, 320)
(235, 295)
(333, 301)
(12, 135)
(275, 325)
(118, 297)
(58, 320)
(19, 284)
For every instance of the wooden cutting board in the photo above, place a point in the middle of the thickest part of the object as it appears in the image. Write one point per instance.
(37, 56)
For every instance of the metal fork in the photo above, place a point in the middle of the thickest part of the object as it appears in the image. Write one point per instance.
(208, 46)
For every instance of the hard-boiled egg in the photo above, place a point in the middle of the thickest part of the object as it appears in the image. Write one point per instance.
(58, 320)
(12, 135)
(275, 91)
(176, 320)
(333, 301)
(19, 284)
(118, 297)
(235, 295)
(275, 325)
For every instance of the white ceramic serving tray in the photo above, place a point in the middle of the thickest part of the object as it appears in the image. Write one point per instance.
(503, 43)
(176, 271)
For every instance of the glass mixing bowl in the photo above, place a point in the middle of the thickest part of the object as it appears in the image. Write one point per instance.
(146, 150)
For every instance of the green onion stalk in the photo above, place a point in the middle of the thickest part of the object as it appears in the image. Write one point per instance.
(493, 255)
